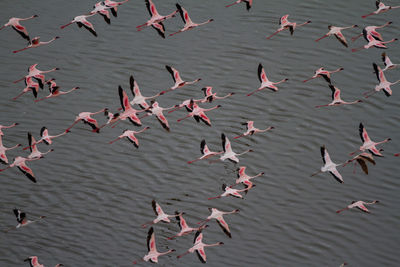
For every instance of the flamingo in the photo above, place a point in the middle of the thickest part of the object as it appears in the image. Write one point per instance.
(248, 3)
(229, 191)
(189, 24)
(21, 30)
(177, 79)
(55, 91)
(152, 254)
(368, 144)
(337, 32)
(373, 42)
(82, 21)
(359, 205)
(130, 135)
(209, 96)
(336, 99)
(45, 137)
(185, 103)
(114, 5)
(7, 127)
(158, 111)
(207, 153)
(199, 247)
(198, 113)
(228, 152)
(34, 262)
(185, 229)
(265, 83)
(384, 84)
(329, 165)
(388, 63)
(22, 220)
(35, 42)
(3, 150)
(252, 130)
(20, 162)
(102, 10)
(87, 119)
(362, 159)
(218, 215)
(326, 74)
(156, 18)
(381, 7)
(138, 98)
(37, 74)
(35, 153)
(285, 24)
(372, 30)
(161, 216)
(244, 178)
(31, 85)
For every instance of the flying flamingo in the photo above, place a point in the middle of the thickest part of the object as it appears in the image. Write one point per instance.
(368, 144)
(102, 10)
(252, 130)
(359, 205)
(185, 229)
(31, 85)
(329, 166)
(388, 63)
(37, 74)
(199, 247)
(55, 91)
(209, 96)
(326, 74)
(14, 23)
(35, 42)
(156, 18)
(337, 31)
(3, 149)
(218, 215)
(45, 137)
(7, 127)
(186, 103)
(361, 159)
(207, 153)
(130, 135)
(265, 83)
(138, 98)
(20, 162)
(243, 177)
(229, 191)
(22, 220)
(248, 3)
(177, 79)
(114, 5)
(82, 21)
(35, 153)
(372, 30)
(189, 24)
(228, 152)
(384, 84)
(381, 7)
(161, 216)
(158, 111)
(34, 262)
(336, 99)
(373, 42)
(198, 113)
(87, 119)
(152, 254)
(285, 24)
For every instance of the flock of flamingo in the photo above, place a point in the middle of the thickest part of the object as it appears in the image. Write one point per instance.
(35, 79)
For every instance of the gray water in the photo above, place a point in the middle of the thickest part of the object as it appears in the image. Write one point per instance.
(96, 195)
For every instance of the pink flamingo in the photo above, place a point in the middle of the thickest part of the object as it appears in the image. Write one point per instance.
(388, 63)
(252, 130)
(87, 119)
(361, 159)
(229, 191)
(372, 30)
(185, 229)
(381, 7)
(31, 85)
(359, 205)
(161, 216)
(285, 24)
(55, 91)
(243, 177)
(114, 5)
(3, 150)
(22, 220)
(130, 135)
(248, 3)
(45, 137)
(152, 254)
(35, 42)
(336, 99)
(199, 247)
(20, 163)
(37, 74)
(34, 262)
(186, 103)
(138, 98)
(189, 24)
(82, 21)
(35, 153)
(198, 113)
(384, 84)
(218, 215)
(329, 166)
(326, 74)
(21, 30)
(7, 127)
(373, 42)
(368, 144)
(337, 32)
(158, 111)
(209, 96)
(177, 79)
(265, 83)
(207, 153)
(156, 18)
(228, 152)
(101, 9)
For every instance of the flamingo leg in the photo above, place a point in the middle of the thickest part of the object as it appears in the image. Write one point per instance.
(23, 92)
(322, 37)
(184, 118)
(269, 37)
(259, 89)
(356, 37)
(16, 51)
(114, 140)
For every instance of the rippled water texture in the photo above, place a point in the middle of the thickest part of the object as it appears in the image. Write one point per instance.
(96, 195)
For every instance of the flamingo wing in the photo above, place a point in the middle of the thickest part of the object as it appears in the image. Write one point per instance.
(363, 133)
(222, 223)
(363, 165)
(159, 27)
(283, 20)
(337, 175)
(134, 87)
(22, 31)
(198, 237)
(27, 171)
(174, 73)
(184, 14)
(89, 27)
(387, 91)
(226, 144)
(157, 208)
(163, 121)
(149, 5)
(132, 138)
(203, 147)
(204, 118)
(201, 254)
(362, 208)
(124, 99)
(261, 74)
(341, 39)
(375, 152)
(248, 4)
(151, 240)
(324, 153)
